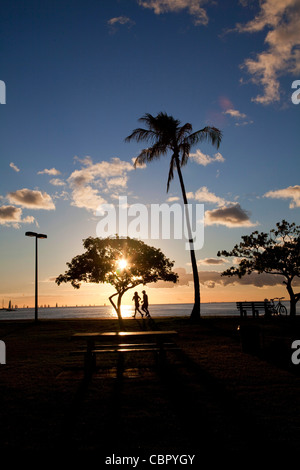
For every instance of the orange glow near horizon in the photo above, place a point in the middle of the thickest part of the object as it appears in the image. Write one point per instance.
(90, 295)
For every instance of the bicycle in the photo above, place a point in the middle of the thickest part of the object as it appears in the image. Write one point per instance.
(277, 309)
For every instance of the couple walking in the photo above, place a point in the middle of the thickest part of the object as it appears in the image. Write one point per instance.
(145, 304)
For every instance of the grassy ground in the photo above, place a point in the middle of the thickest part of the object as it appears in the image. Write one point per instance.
(212, 394)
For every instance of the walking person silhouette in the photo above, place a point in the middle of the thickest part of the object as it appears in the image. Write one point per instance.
(136, 299)
(145, 304)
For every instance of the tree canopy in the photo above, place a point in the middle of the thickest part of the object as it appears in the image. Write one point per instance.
(165, 134)
(123, 263)
(277, 252)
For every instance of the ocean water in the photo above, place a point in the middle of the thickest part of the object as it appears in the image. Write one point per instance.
(106, 311)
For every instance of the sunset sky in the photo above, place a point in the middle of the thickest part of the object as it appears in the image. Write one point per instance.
(79, 74)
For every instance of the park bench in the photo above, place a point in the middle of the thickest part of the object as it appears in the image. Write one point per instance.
(254, 307)
(124, 342)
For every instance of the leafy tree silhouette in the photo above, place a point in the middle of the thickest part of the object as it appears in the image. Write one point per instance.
(277, 252)
(122, 262)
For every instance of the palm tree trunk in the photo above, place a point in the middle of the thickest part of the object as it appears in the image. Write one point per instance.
(195, 315)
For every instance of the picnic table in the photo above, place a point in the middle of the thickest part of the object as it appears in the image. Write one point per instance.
(121, 342)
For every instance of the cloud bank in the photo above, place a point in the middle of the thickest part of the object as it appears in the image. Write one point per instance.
(211, 279)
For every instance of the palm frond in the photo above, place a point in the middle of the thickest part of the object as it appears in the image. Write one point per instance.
(165, 134)
(149, 154)
(184, 130)
(208, 134)
(184, 150)
(149, 120)
(140, 134)
(161, 124)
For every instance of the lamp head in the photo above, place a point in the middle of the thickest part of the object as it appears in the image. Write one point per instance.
(34, 234)
(30, 234)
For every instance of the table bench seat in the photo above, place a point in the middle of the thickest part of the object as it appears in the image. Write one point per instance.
(157, 342)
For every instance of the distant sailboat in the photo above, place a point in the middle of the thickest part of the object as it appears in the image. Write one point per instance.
(10, 307)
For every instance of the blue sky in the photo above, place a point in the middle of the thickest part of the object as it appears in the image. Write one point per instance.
(79, 75)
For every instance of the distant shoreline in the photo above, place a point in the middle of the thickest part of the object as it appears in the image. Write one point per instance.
(211, 309)
(108, 305)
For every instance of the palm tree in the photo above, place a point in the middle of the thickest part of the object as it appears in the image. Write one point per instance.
(165, 134)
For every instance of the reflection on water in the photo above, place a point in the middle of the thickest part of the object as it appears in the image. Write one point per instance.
(126, 310)
(107, 311)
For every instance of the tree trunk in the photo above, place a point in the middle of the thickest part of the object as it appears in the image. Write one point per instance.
(195, 315)
(293, 298)
(118, 308)
(293, 307)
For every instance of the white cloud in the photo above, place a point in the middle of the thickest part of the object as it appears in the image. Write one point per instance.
(99, 171)
(86, 181)
(212, 261)
(52, 172)
(235, 113)
(231, 216)
(31, 199)
(240, 118)
(244, 123)
(57, 182)
(281, 57)
(291, 192)
(87, 198)
(120, 20)
(194, 8)
(14, 167)
(204, 195)
(173, 198)
(11, 215)
(203, 159)
(118, 182)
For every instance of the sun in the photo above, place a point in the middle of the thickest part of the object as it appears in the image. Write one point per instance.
(122, 264)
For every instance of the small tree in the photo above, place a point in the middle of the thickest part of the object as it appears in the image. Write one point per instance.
(277, 252)
(122, 262)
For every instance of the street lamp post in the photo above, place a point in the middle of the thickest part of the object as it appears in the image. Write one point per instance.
(36, 235)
